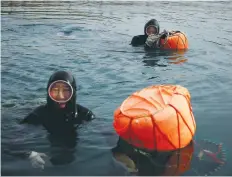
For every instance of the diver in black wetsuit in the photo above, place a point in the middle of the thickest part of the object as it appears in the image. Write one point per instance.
(61, 113)
(196, 159)
(60, 116)
(153, 163)
(152, 36)
(151, 27)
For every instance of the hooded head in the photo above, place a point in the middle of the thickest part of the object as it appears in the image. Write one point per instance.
(61, 93)
(152, 26)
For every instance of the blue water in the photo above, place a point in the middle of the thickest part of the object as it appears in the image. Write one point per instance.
(91, 40)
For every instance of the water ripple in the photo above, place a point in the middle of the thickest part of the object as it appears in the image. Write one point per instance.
(91, 40)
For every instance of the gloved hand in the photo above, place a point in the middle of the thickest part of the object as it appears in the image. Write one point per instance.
(152, 40)
(127, 161)
(164, 34)
(36, 159)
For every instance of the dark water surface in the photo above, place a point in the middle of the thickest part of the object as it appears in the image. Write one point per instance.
(91, 40)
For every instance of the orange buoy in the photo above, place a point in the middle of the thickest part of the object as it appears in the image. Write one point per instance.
(156, 118)
(177, 40)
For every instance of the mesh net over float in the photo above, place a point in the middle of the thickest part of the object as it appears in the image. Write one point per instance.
(177, 41)
(156, 118)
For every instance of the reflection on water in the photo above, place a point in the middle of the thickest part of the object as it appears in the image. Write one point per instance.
(91, 40)
(62, 149)
(199, 158)
(152, 58)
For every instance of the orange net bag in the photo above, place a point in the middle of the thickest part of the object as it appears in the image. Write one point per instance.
(156, 118)
(177, 41)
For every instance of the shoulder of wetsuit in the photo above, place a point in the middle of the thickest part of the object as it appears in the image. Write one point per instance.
(138, 40)
(123, 147)
(35, 117)
(84, 113)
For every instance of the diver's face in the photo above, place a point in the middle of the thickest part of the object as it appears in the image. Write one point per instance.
(151, 30)
(60, 92)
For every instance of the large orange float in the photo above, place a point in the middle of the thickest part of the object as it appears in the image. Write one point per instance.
(156, 118)
(176, 40)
